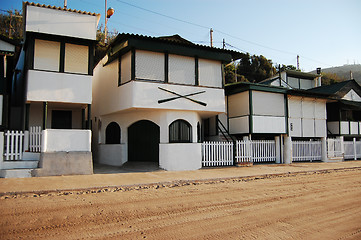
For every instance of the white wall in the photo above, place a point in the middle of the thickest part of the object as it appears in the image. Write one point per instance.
(162, 118)
(268, 104)
(59, 22)
(55, 140)
(352, 96)
(180, 156)
(239, 125)
(112, 154)
(307, 117)
(265, 124)
(59, 87)
(238, 104)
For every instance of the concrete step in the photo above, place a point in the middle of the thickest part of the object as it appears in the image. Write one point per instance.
(30, 156)
(19, 164)
(15, 173)
(335, 159)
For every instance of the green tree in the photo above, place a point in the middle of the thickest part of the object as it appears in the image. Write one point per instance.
(330, 78)
(11, 25)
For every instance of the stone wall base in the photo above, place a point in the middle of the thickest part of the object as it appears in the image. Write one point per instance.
(64, 163)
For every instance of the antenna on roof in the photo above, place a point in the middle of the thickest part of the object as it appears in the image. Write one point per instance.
(298, 62)
(65, 3)
(211, 35)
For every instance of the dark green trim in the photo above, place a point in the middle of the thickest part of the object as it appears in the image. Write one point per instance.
(119, 71)
(27, 111)
(62, 57)
(83, 122)
(132, 64)
(242, 87)
(89, 117)
(58, 38)
(90, 59)
(45, 114)
(196, 72)
(250, 120)
(217, 128)
(223, 76)
(29, 54)
(227, 113)
(166, 67)
(339, 122)
(286, 113)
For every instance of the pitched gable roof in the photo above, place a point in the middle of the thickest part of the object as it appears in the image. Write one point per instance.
(339, 89)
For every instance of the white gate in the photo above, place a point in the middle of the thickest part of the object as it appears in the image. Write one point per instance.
(13, 145)
(306, 151)
(217, 154)
(334, 148)
(35, 139)
(256, 151)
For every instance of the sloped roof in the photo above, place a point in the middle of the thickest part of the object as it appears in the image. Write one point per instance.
(172, 44)
(60, 8)
(339, 89)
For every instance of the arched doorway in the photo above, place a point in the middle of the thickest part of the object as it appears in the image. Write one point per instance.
(143, 141)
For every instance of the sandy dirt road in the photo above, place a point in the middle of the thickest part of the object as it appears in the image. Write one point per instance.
(321, 205)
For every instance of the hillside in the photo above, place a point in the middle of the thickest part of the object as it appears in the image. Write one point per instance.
(344, 71)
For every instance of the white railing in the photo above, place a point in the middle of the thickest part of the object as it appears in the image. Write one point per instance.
(217, 154)
(35, 139)
(13, 145)
(306, 151)
(358, 149)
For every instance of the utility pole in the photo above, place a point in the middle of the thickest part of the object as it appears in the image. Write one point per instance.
(211, 35)
(298, 62)
(105, 25)
(65, 3)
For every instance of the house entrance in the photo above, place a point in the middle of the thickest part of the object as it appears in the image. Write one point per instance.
(143, 142)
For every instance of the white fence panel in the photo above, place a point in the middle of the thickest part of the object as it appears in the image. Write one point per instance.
(255, 151)
(334, 147)
(306, 151)
(349, 149)
(263, 150)
(358, 149)
(13, 145)
(35, 139)
(217, 154)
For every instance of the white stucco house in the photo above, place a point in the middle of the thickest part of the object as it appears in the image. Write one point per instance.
(52, 87)
(151, 96)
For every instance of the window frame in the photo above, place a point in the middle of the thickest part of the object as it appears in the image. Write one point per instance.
(179, 137)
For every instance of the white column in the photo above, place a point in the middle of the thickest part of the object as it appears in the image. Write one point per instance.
(324, 149)
(1, 149)
(287, 152)
(26, 141)
(354, 149)
(278, 149)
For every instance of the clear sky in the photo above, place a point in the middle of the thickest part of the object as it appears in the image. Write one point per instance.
(323, 33)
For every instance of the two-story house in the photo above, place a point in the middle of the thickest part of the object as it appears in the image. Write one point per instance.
(52, 86)
(344, 111)
(150, 98)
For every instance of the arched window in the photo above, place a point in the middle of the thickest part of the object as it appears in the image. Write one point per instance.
(112, 133)
(180, 131)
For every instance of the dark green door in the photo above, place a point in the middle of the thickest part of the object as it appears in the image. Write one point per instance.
(143, 142)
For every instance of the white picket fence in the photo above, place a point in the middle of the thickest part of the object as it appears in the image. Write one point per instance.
(306, 151)
(221, 153)
(352, 150)
(13, 145)
(35, 139)
(217, 154)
